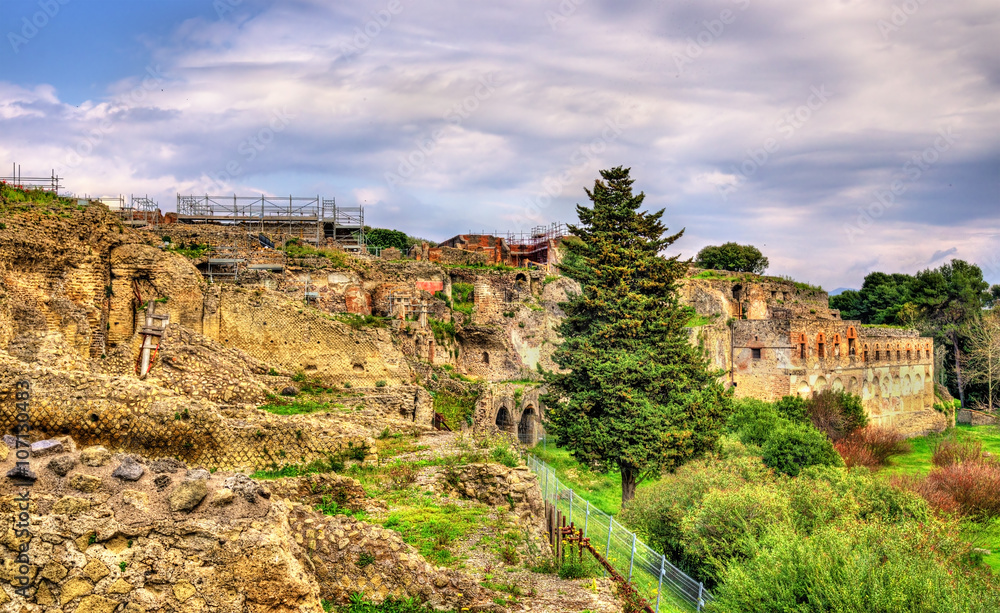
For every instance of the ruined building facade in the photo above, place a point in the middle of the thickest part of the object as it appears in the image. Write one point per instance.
(773, 338)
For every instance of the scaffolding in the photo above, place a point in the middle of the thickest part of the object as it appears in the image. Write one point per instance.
(50, 183)
(534, 246)
(139, 211)
(227, 259)
(311, 219)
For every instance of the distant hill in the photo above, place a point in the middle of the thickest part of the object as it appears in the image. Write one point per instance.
(841, 290)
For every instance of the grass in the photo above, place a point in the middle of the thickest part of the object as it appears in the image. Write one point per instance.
(604, 491)
(298, 406)
(431, 525)
(699, 320)
(360, 322)
(443, 331)
(390, 445)
(464, 297)
(918, 461)
(297, 249)
(456, 408)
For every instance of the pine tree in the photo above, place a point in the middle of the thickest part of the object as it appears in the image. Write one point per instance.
(634, 394)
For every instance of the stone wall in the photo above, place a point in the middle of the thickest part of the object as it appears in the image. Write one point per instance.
(497, 485)
(975, 418)
(160, 537)
(514, 408)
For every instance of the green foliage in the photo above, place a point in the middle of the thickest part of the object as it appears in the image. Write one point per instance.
(359, 604)
(794, 446)
(443, 331)
(295, 248)
(793, 408)
(191, 250)
(634, 394)
(360, 322)
(753, 421)
(858, 567)
(432, 528)
(456, 408)
(464, 297)
(575, 568)
(380, 383)
(281, 406)
(365, 558)
(382, 238)
(734, 257)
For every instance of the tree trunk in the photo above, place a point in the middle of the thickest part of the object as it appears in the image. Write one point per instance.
(958, 369)
(628, 484)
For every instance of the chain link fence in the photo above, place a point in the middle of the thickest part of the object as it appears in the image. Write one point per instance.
(666, 587)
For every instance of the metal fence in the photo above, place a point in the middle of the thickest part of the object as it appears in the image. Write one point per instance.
(666, 587)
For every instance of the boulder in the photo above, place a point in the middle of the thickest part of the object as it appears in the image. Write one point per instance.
(62, 465)
(245, 487)
(129, 470)
(162, 482)
(95, 456)
(46, 447)
(22, 473)
(85, 483)
(188, 495)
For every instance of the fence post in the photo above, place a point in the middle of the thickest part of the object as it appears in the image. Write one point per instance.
(546, 494)
(607, 550)
(701, 592)
(586, 520)
(659, 587)
(571, 505)
(631, 560)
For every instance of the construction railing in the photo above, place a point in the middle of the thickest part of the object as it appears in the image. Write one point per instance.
(663, 585)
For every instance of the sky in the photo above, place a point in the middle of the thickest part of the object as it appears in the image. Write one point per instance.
(839, 137)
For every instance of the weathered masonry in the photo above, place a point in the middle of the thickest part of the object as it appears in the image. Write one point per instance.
(773, 338)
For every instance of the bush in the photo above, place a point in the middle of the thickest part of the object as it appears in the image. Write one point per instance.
(951, 450)
(794, 446)
(402, 475)
(794, 408)
(656, 512)
(973, 486)
(753, 420)
(858, 567)
(728, 524)
(871, 447)
(837, 414)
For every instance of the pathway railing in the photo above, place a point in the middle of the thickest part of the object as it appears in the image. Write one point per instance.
(655, 578)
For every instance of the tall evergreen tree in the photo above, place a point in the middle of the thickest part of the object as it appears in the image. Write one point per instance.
(634, 394)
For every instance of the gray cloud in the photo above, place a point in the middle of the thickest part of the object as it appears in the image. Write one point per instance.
(355, 115)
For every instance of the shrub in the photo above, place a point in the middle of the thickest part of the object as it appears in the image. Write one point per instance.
(871, 447)
(728, 524)
(793, 446)
(973, 486)
(858, 567)
(656, 512)
(837, 414)
(794, 408)
(951, 450)
(753, 420)
(402, 475)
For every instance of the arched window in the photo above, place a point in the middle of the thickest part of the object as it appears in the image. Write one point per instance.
(802, 346)
(878, 353)
(852, 338)
(821, 345)
(909, 351)
(865, 356)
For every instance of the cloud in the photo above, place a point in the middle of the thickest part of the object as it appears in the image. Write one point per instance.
(361, 106)
(940, 255)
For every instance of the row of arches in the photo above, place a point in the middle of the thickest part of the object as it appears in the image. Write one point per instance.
(527, 427)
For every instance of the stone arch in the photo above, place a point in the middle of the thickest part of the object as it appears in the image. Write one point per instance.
(527, 426)
(876, 387)
(838, 385)
(866, 391)
(907, 388)
(521, 282)
(918, 384)
(886, 386)
(820, 384)
(852, 385)
(504, 421)
(897, 386)
(486, 357)
(803, 391)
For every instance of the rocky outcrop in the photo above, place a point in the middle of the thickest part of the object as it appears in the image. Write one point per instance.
(496, 485)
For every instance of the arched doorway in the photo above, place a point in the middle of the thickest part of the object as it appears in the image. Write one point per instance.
(526, 430)
(504, 421)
